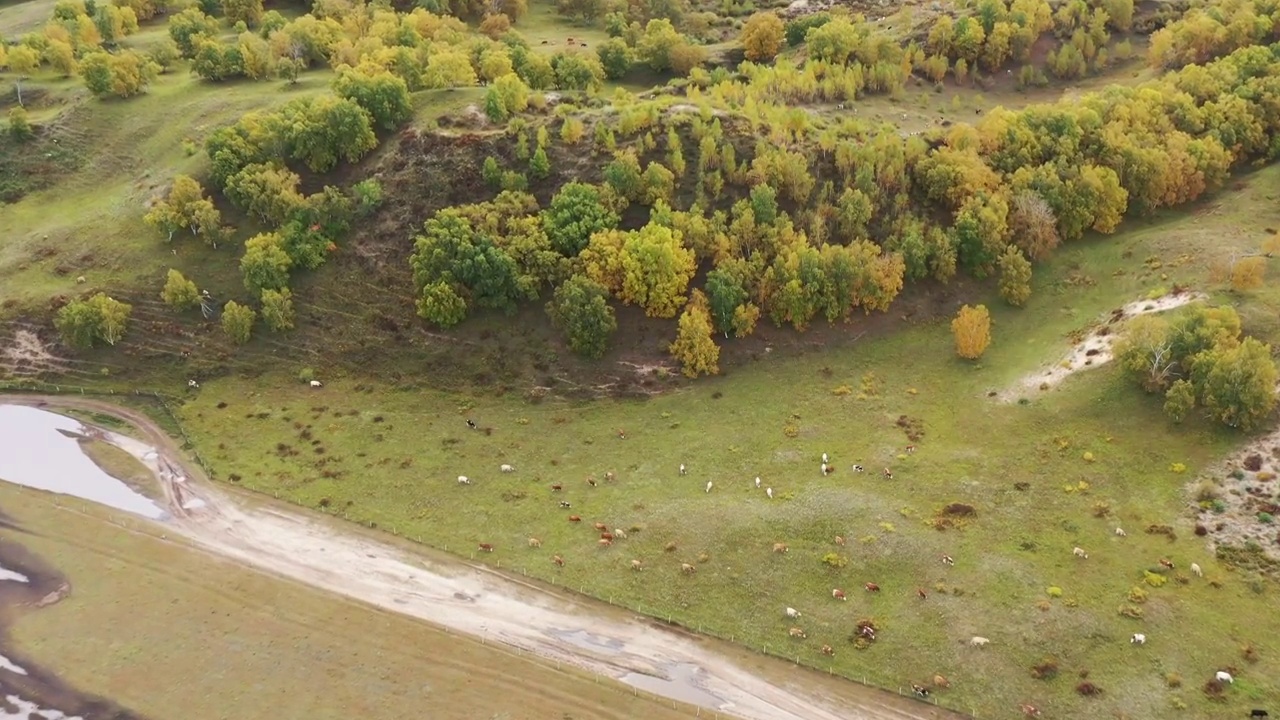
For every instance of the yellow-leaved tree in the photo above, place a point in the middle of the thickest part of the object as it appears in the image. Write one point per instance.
(762, 36)
(694, 347)
(972, 330)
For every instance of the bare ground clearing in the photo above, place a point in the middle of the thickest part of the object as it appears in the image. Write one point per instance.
(1095, 349)
(489, 605)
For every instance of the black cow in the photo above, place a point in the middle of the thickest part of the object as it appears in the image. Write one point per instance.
(1259, 714)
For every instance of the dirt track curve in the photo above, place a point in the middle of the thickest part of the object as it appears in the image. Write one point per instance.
(478, 601)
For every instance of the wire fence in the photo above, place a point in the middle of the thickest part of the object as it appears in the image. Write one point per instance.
(164, 403)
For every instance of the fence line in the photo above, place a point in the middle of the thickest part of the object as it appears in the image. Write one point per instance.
(163, 402)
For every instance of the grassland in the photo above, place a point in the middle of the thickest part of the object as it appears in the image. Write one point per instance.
(145, 613)
(382, 442)
(389, 456)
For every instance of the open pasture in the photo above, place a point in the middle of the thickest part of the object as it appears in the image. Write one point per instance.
(1040, 478)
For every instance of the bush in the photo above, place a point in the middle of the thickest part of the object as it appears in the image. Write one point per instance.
(20, 125)
(834, 560)
(1154, 579)
(1054, 591)
(179, 292)
(277, 309)
(306, 375)
(82, 323)
(237, 322)
(1046, 669)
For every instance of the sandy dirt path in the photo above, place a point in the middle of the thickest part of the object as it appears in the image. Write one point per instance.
(475, 600)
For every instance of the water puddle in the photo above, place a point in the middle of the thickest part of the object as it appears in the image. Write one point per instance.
(586, 640)
(19, 709)
(40, 450)
(7, 664)
(681, 684)
(7, 574)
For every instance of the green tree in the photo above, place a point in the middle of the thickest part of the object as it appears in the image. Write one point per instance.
(655, 46)
(583, 11)
(580, 309)
(539, 165)
(1145, 352)
(762, 36)
(1180, 400)
(615, 57)
(440, 304)
(268, 191)
(78, 322)
(326, 129)
(277, 309)
(1015, 277)
(249, 12)
(179, 292)
(449, 69)
(577, 71)
(265, 264)
(113, 317)
(726, 293)
(1239, 388)
(237, 322)
(188, 27)
(575, 213)
(20, 124)
(383, 95)
(694, 347)
(656, 270)
(453, 252)
(491, 173)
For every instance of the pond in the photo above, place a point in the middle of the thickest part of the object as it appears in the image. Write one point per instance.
(41, 450)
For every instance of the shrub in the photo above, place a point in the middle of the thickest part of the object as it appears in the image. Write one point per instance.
(1137, 595)
(277, 309)
(1088, 689)
(1265, 517)
(1054, 591)
(1046, 669)
(834, 560)
(1154, 579)
(237, 322)
(306, 375)
(19, 124)
(1178, 467)
(179, 292)
(1173, 680)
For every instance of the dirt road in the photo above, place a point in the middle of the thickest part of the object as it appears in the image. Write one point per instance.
(474, 600)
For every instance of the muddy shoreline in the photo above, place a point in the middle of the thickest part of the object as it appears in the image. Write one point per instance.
(38, 687)
(316, 551)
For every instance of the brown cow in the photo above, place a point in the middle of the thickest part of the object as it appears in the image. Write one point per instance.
(826, 650)
(796, 632)
(557, 487)
(601, 527)
(486, 547)
(535, 542)
(559, 561)
(779, 547)
(840, 540)
(838, 594)
(604, 543)
(921, 593)
(637, 565)
(872, 587)
(606, 536)
(575, 518)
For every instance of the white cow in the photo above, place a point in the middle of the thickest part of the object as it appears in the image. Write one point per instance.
(507, 468)
(978, 641)
(1195, 568)
(464, 480)
(709, 484)
(1225, 677)
(769, 492)
(793, 613)
(316, 384)
(1138, 639)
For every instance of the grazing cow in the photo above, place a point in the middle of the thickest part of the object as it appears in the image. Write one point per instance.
(535, 542)
(1195, 568)
(1259, 714)
(888, 474)
(1166, 563)
(1029, 710)
(780, 547)
(826, 650)
(557, 487)
(619, 533)
(1223, 676)
(1138, 639)
(858, 468)
(709, 485)
(838, 594)
(824, 458)
(840, 540)
(507, 468)
(566, 504)
(826, 469)
(1080, 553)
(978, 641)
(637, 565)
(757, 482)
(575, 518)
(769, 492)
(470, 423)
(591, 481)
(683, 470)
(911, 449)
(609, 476)
(868, 632)
(921, 593)
(948, 560)
(486, 547)
(622, 434)
(919, 690)
(839, 106)
(796, 632)
(606, 536)
(316, 384)
(1121, 533)
(604, 543)
(600, 526)
(792, 613)
(940, 681)
(559, 561)
(687, 569)
(464, 480)
(871, 587)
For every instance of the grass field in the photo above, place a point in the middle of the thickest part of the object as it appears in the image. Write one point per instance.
(381, 443)
(145, 613)
(388, 456)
